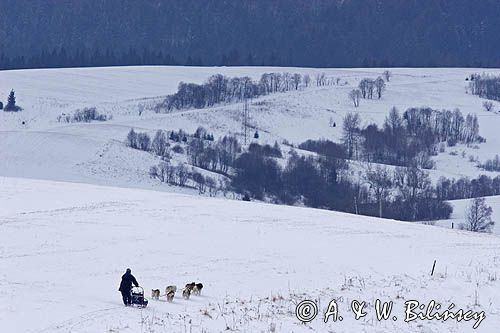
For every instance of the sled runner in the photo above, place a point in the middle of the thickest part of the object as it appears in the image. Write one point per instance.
(138, 297)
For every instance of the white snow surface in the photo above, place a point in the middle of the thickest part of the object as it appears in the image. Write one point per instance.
(64, 247)
(77, 208)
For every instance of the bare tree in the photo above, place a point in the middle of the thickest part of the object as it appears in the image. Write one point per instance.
(350, 135)
(211, 185)
(380, 181)
(182, 174)
(363, 87)
(140, 108)
(307, 80)
(132, 139)
(379, 86)
(478, 216)
(488, 105)
(160, 143)
(199, 181)
(320, 79)
(143, 141)
(411, 182)
(354, 96)
(387, 75)
(296, 79)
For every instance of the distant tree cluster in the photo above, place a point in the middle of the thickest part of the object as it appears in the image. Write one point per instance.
(180, 175)
(485, 86)
(216, 156)
(466, 188)
(369, 89)
(200, 147)
(491, 165)
(220, 89)
(265, 150)
(316, 181)
(61, 58)
(326, 148)
(322, 181)
(408, 139)
(84, 115)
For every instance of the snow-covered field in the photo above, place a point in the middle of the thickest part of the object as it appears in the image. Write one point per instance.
(66, 236)
(64, 247)
(94, 152)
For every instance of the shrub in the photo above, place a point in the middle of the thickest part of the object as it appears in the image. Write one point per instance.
(178, 149)
(85, 115)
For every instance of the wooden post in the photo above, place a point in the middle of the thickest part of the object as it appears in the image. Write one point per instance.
(433, 266)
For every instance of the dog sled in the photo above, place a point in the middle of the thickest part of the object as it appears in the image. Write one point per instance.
(138, 299)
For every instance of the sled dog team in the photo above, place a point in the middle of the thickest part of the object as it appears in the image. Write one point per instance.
(190, 288)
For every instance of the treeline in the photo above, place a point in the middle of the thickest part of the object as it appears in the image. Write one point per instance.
(409, 139)
(61, 58)
(491, 165)
(466, 188)
(202, 151)
(84, 115)
(485, 86)
(180, 175)
(324, 181)
(222, 89)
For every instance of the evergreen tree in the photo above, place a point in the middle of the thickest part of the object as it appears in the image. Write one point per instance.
(11, 102)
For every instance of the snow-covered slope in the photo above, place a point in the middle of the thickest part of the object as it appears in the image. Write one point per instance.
(460, 210)
(44, 148)
(64, 246)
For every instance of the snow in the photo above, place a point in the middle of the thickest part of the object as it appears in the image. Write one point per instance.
(77, 207)
(293, 116)
(64, 247)
(460, 207)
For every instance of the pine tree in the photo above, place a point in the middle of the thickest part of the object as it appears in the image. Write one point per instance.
(11, 102)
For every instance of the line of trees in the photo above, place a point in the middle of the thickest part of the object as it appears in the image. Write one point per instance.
(62, 58)
(369, 88)
(216, 156)
(485, 86)
(491, 165)
(408, 139)
(466, 188)
(222, 89)
(84, 115)
(181, 175)
(324, 181)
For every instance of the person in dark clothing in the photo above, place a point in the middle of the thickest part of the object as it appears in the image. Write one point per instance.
(126, 286)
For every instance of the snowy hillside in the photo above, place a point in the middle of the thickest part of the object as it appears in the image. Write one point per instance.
(460, 208)
(32, 141)
(64, 247)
